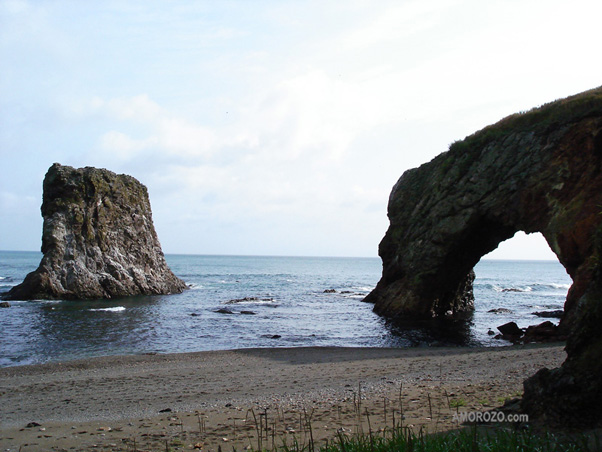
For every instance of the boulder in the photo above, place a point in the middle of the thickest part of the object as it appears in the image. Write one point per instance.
(539, 171)
(510, 329)
(544, 332)
(98, 240)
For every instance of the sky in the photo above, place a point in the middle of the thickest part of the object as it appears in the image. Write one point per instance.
(271, 127)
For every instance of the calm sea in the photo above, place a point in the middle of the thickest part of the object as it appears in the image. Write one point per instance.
(274, 302)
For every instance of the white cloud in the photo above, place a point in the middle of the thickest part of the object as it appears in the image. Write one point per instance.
(280, 118)
(185, 139)
(122, 146)
(163, 132)
(137, 108)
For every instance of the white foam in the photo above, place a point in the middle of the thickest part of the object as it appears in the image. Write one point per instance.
(561, 286)
(115, 309)
(363, 288)
(251, 300)
(512, 289)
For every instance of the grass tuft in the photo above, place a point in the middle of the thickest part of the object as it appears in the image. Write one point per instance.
(466, 440)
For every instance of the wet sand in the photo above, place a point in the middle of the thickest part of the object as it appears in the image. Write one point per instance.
(254, 397)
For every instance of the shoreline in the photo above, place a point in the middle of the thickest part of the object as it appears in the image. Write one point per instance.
(156, 398)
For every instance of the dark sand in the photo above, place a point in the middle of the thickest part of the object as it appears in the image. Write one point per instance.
(220, 398)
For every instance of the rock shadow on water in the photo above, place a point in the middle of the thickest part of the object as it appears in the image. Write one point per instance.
(436, 332)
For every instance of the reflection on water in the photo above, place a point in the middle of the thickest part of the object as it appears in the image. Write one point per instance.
(275, 302)
(84, 329)
(435, 332)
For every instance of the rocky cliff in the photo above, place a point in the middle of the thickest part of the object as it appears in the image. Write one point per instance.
(538, 171)
(98, 240)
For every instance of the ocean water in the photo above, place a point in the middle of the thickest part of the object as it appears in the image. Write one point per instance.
(275, 302)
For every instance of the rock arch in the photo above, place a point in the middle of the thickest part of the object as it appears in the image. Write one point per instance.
(539, 171)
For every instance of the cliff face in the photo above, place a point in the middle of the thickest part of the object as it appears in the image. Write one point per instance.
(535, 172)
(98, 240)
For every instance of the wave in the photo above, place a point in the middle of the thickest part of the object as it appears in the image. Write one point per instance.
(251, 300)
(115, 309)
(7, 281)
(7, 286)
(512, 289)
(534, 287)
(357, 296)
(548, 307)
(561, 286)
(363, 288)
(347, 293)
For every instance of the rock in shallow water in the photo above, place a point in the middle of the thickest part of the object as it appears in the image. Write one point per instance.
(510, 329)
(556, 314)
(98, 240)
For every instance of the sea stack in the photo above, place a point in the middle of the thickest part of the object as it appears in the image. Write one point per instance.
(98, 240)
(539, 171)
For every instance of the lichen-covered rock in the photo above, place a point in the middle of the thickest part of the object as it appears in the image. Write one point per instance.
(539, 171)
(98, 240)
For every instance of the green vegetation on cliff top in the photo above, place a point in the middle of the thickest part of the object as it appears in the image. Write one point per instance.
(571, 109)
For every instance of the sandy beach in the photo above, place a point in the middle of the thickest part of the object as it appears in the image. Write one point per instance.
(254, 397)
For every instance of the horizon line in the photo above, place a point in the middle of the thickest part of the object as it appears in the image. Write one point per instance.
(306, 256)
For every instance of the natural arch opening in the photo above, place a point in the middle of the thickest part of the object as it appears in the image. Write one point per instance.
(536, 172)
(521, 281)
(523, 246)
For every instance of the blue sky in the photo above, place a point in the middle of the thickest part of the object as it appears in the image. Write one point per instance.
(270, 127)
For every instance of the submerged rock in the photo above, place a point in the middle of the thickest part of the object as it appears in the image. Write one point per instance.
(539, 171)
(556, 314)
(98, 240)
